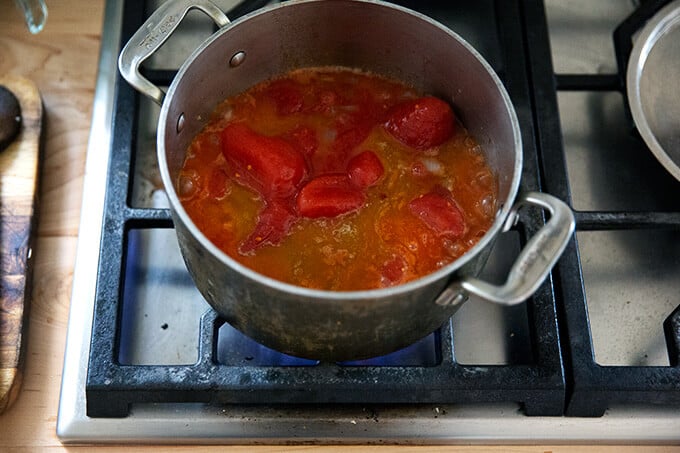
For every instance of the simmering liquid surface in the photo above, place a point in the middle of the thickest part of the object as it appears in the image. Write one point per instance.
(337, 179)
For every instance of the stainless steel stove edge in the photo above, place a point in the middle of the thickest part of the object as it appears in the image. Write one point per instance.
(201, 424)
(72, 398)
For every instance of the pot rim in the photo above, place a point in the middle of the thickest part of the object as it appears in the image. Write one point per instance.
(446, 271)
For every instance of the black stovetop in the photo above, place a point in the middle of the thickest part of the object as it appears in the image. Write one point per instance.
(559, 377)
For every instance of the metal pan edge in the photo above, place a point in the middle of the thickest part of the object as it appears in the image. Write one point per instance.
(655, 123)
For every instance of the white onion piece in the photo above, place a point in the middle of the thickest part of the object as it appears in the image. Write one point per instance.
(433, 165)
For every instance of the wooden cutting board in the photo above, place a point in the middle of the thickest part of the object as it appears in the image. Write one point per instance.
(19, 170)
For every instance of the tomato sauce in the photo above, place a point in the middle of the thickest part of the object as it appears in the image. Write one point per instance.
(337, 179)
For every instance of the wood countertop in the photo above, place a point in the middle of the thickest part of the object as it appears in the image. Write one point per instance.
(62, 61)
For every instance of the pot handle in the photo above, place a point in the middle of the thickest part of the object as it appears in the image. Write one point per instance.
(533, 263)
(150, 36)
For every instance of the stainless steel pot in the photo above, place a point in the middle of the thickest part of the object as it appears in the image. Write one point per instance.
(374, 36)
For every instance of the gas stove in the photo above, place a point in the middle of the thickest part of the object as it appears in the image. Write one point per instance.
(591, 356)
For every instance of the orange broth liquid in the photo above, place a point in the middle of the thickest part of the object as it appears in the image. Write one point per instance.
(381, 244)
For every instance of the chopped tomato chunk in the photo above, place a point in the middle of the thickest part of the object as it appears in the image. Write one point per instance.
(287, 95)
(304, 138)
(393, 270)
(218, 183)
(421, 123)
(326, 101)
(439, 212)
(273, 224)
(349, 138)
(365, 169)
(329, 196)
(268, 165)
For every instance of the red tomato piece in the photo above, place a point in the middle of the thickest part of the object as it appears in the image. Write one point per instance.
(268, 165)
(439, 212)
(304, 138)
(287, 95)
(329, 98)
(365, 169)
(329, 196)
(353, 127)
(273, 224)
(325, 101)
(218, 184)
(421, 123)
(393, 270)
(349, 138)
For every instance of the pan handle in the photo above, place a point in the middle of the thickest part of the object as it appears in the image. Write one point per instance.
(150, 36)
(533, 263)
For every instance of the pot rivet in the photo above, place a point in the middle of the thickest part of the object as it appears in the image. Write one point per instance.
(451, 297)
(237, 59)
(180, 123)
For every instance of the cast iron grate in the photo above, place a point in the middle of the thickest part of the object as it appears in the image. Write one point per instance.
(539, 386)
(591, 387)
